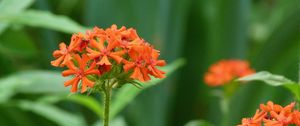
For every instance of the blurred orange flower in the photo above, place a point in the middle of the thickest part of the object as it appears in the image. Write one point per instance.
(273, 115)
(224, 71)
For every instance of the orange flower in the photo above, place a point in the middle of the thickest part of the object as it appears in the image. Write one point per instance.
(255, 121)
(143, 62)
(275, 115)
(296, 117)
(224, 71)
(109, 50)
(103, 52)
(64, 54)
(152, 61)
(280, 119)
(137, 63)
(80, 73)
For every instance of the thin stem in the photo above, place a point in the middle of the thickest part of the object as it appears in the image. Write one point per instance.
(225, 110)
(107, 96)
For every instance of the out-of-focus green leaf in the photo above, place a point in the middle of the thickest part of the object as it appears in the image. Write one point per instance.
(32, 82)
(274, 80)
(12, 7)
(39, 81)
(17, 44)
(198, 123)
(267, 77)
(8, 87)
(127, 93)
(52, 113)
(86, 101)
(44, 19)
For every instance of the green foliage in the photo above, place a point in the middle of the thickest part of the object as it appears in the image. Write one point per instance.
(198, 123)
(52, 113)
(274, 80)
(47, 20)
(32, 82)
(12, 7)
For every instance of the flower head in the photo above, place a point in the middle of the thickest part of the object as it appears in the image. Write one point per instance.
(112, 53)
(224, 71)
(273, 115)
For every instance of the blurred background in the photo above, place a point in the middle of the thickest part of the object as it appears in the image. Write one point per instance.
(264, 32)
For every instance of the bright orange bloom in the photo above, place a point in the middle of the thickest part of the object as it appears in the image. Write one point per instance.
(281, 119)
(103, 52)
(152, 61)
(108, 54)
(296, 117)
(255, 121)
(80, 73)
(64, 54)
(224, 71)
(275, 115)
(143, 62)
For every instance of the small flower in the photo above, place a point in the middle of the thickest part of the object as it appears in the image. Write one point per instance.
(224, 71)
(255, 121)
(143, 62)
(64, 54)
(81, 72)
(281, 119)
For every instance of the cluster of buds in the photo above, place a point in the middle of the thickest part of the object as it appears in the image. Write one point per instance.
(274, 115)
(119, 55)
(225, 71)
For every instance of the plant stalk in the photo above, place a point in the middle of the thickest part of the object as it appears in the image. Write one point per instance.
(107, 97)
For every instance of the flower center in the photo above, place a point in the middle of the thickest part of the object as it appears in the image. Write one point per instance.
(80, 74)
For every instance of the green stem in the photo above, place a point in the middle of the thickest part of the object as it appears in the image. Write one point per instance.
(107, 96)
(225, 110)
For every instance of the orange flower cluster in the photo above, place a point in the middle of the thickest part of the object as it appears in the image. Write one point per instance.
(224, 71)
(273, 115)
(103, 51)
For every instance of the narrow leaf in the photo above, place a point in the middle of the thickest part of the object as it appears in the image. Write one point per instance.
(52, 113)
(89, 102)
(32, 82)
(44, 19)
(274, 80)
(12, 7)
(86, 101)
(198, 123)
(271, 79)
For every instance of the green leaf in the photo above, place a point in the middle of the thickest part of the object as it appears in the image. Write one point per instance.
(17, 44)
(39, 81)
(89, 102)
(44, 19)
(267, 77)
(86, 101)
(198, 123)
(8, 87)
(128, 92)
(32, 82)
(12, 7)
(274, 80)
(52, 113)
